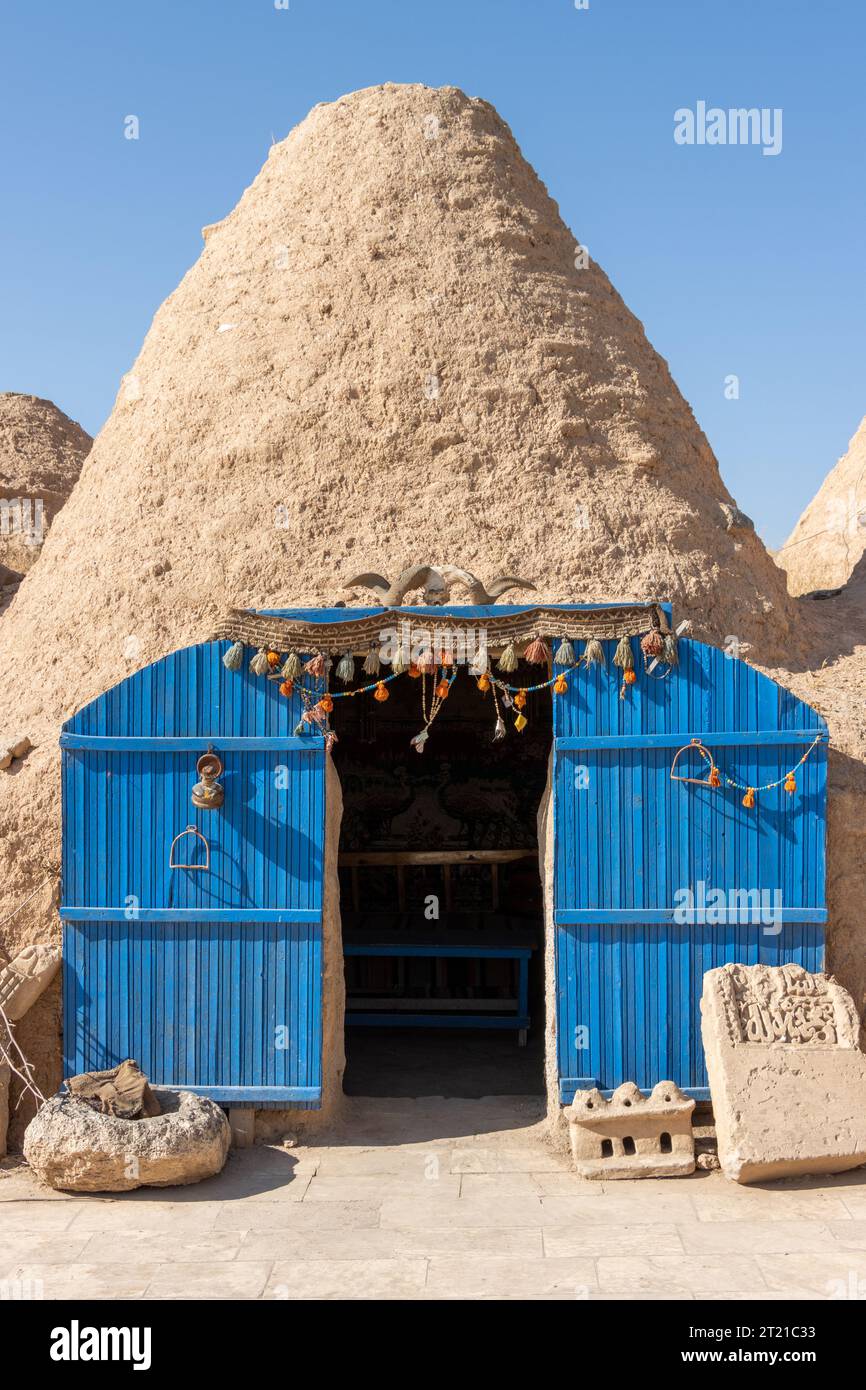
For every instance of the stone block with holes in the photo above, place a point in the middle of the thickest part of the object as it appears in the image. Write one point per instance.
(632, 1135)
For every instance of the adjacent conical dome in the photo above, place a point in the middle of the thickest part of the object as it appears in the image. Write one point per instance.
(830, 536)
(41, 453)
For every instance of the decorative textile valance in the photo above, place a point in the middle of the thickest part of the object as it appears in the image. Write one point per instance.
(347, 629)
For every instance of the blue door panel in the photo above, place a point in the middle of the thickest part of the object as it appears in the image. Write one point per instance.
(230, 1010)
(629, 841)
(211, 980)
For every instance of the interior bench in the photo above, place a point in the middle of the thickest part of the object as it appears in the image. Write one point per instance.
(476, 937)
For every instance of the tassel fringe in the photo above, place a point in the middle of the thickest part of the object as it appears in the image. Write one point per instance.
(508, 659)
(346, 668)
(538, 652)
(623, 657)
(233, 659)
(593, 653)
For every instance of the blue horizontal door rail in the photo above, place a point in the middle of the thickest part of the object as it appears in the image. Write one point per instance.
(641, 916)
(190, 914)
(721, 739)
(104, 743)
(570, 1085)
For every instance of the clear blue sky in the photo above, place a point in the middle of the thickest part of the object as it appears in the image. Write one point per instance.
(737, 263)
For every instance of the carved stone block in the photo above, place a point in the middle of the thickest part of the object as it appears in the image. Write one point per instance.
(787, 1077)
(25, 977)
(632, 1135)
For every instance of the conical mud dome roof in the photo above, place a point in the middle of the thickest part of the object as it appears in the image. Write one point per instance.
(828, 540)
(385, 354)
(41, 453)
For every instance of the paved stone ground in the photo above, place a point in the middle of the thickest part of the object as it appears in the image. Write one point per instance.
(434, 1199)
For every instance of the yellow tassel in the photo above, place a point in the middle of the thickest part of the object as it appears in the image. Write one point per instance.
(790, 783)
(381, 692)
(624, 656)
(483, 683)
(749, 798)
(560, 685)
(520, 722)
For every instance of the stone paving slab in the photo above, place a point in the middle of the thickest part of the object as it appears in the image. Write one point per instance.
(689, 1274)
(473, 1278)
(83, 1281)
(165, 1247)
(297, 1216)
(593, 1238)
(379, 1243)
(349, 1279)
(221, 1280)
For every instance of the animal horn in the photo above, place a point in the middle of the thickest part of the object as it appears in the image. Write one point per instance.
(462, 579)
(415, 577)
(505, 582)
(368, 581)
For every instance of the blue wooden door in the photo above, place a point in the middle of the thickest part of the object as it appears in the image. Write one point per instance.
(657, 881)
(210, 977)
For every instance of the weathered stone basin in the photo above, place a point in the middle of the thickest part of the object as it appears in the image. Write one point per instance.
(73, 1147)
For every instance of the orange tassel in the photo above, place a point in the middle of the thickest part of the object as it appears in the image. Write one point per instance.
(381, 692)
(414, 671)
(537, 652)
(560, 685)
(273, 659)
(790, 783)
(715, 779)
(287, 688)
(483, 683)
(749, 798)
(326, 703)
(520, 699)
(443, 689)
(629, 677)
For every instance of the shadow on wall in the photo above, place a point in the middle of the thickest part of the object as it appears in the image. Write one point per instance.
(846, 874)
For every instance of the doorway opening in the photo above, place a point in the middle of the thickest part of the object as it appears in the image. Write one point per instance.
(440, 891)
